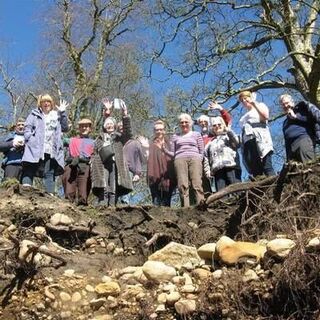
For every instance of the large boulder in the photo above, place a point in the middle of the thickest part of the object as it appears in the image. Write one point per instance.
(158, 271)
(230, 252)
(176, 255)
(207, 251)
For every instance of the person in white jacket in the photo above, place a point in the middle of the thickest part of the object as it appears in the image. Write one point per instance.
(220, 154)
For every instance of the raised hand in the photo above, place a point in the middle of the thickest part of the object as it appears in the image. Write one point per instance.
(63, 105)
(213, 105)
(123, 108)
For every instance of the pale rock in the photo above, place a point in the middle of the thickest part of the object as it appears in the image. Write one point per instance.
(111, 246)
(193, 225)
(280, 247)
(103, 317)
(92, 251)
(108, 288)
(132, 291)
(40, 230)
(12, 228)
(172, 298)
(96, 304)
(188, 288)
(140, 276)
(153, 316)
(161, 308)
(64, 296)
(118, 251)
(140, 296)
(188, 266)
(129, 270)
(41, 259)
(76, 297)
(230, 251)
(201, 274)
(49, 294)
(24, 247)
(41, 307)
(250, 275)
(106, 279)
(176, 255)
(61, 219)
(191, 296)
(158, 271)
(126, 277)
(185, 307)
(169, 287)
(206, 251)
(89, 288)
(187, 278)
(314, 244)
(91, 242)
(65, 314)
(178, 280)
(69, 273)
(162, 298)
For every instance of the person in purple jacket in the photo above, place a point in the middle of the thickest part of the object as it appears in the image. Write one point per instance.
(188, 148)
(43, 154)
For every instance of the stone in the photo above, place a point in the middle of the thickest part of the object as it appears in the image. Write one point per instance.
(158, 271)
(187, 279)
(106, 279)
(64, 296)
(230, 252)
(91, 242)
(169, 287)
(185, 307)
(40, 230)
(118, 252)
(128, 270)
(280, 247)
(207, 251)
(139, 276)
(76, 297)
(178, 280)
(188, 288)
(314, 244)
(132, 291)
(96, 304)
(89, 288)
(111, 288)
(176, 255)
(250, 275)
(162, 298)
(103, 317)
(65, 314)
(172, 298)
(61, 219)
(161, 308)
(110, 247)
(24, 247)
(201, 274)
(69, 273)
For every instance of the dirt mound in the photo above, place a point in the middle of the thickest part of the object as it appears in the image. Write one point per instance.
(101, 241)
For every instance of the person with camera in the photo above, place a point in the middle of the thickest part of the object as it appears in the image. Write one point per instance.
(109, 170)
(301, 129)
(220, 154)
(13, 148)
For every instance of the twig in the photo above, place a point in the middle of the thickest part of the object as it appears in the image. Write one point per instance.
(153, 239)
(73, 229)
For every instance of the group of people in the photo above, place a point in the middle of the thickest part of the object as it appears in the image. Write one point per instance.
(197, 163)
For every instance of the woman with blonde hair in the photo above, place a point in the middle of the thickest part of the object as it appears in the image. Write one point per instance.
(187, 151)
(43, 154)
(220, 154)
(257, 146)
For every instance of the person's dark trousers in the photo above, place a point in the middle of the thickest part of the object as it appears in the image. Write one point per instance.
(77, 181)
(13, 171)
(238, 170)
(160, 197)
(302, 150)
(225, 177)
(257, 166)
(47, 166)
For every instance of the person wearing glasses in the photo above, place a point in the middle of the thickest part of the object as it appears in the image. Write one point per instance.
(160, 173)
(220, 154)
(257, 146)
(188, 148)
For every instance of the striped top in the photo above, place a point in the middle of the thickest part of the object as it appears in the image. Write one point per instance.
(189, 145)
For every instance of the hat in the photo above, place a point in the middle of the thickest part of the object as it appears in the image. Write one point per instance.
(85, 121)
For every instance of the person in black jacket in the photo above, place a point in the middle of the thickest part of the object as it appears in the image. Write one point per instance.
(301, 129)
(13, 148)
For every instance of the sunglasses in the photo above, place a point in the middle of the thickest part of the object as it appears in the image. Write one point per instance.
(217, 125)
(182, 122)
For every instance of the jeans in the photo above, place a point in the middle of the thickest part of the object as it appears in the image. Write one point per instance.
(48, 166)
(255, 165)
(225, 177)
(301, 149)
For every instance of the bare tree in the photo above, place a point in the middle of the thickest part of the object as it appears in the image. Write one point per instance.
(237, 45)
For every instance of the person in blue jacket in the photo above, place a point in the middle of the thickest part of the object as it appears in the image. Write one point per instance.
(43, 154)
(13, 148)
(301, 129)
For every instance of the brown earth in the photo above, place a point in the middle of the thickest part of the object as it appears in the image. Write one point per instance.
(288, 205)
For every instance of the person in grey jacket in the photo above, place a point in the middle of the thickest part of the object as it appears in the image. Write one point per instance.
(43, 155)
(13, 148)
